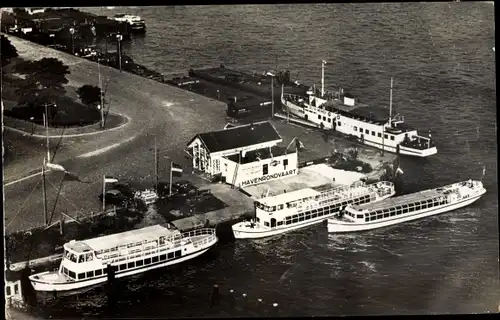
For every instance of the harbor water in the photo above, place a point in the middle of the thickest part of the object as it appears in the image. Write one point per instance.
(440, 56)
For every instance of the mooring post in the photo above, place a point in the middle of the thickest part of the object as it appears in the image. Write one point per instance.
(61, 224)
(215, 295)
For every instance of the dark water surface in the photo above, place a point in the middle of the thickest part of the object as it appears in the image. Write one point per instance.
(441, 58)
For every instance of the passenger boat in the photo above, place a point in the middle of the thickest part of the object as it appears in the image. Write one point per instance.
(298, 209)
(134, 22)
(339, 112)
(407, 207)
(89, 262)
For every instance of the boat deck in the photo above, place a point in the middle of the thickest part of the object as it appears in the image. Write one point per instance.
(118, 239)
(401, 200)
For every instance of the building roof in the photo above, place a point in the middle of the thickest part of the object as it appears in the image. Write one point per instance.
(263, 153)
(114, 240)
(238, 137)
(283, 198)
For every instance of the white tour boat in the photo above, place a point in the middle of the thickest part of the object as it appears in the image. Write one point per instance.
(336, 111)
(134, 22)
(86, 263)
(298, 209)
(407, 207)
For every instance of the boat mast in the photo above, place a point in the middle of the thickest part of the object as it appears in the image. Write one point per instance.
(390, 107)
(323, 62)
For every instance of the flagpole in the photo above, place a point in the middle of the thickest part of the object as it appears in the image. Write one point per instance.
(103, 193)
(170, 187)
(44, 194)
(156, 168)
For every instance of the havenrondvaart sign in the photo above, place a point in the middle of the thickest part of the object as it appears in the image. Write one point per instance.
(268, 177)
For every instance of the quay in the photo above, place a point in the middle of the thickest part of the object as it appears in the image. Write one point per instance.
(167, 108)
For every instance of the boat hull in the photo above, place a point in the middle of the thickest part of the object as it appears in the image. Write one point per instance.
(77, 285)
(262, 232)
(337, 226)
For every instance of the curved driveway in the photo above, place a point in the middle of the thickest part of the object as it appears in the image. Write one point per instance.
(171, 115)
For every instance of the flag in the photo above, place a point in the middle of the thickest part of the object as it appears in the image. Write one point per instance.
(55, 167)
(110, 180)
(72, 177)
(398, 170)
(176, 170)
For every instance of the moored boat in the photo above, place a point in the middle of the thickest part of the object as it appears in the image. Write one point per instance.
(88, 263)
(342, 113)
(135, 23)
(298, 209)
(407, 207)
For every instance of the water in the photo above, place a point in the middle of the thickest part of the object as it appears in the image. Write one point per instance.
(441, 58)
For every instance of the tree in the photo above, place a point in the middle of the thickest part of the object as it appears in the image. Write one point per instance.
(89, 95)
(7, 50)
(44, 80)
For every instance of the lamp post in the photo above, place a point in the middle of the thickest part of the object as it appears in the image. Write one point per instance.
(119, 38)
(100, 106)
(32, 125)
(52, 35)
(272, 75)
(72, 31)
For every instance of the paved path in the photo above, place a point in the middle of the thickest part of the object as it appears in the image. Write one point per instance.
(170, 114)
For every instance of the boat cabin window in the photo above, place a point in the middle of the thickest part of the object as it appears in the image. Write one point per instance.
(88, 257)
(359, 216)
(73, 257)
(280, 207)
(81, 276)
(81, 258)
(280, 223)
(71, 274)
(98, 272)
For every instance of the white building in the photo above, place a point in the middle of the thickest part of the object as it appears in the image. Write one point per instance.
(243, 155)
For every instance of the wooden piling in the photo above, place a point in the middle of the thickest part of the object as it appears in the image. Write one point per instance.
(215, 296)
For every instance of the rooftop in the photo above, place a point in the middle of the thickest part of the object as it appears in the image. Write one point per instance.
(238, 137)
(114, 240)
(396, 201)
(254, 155)
(289, 197)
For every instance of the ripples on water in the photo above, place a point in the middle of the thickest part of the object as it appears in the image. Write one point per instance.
(440, 56)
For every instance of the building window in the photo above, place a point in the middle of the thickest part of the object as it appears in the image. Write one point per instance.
(339, 124)
(285, 163)
(392, 137)
(319, 117)
(355, 128)
(385, 136)
(324, 118)
(265, 169)
(329, 120)
(373, 133)
(360, 129)
(266, 224)
(8, 291)
(16, 288)
(379, 135)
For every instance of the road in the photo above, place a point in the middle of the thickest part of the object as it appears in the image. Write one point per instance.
(171, 115)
